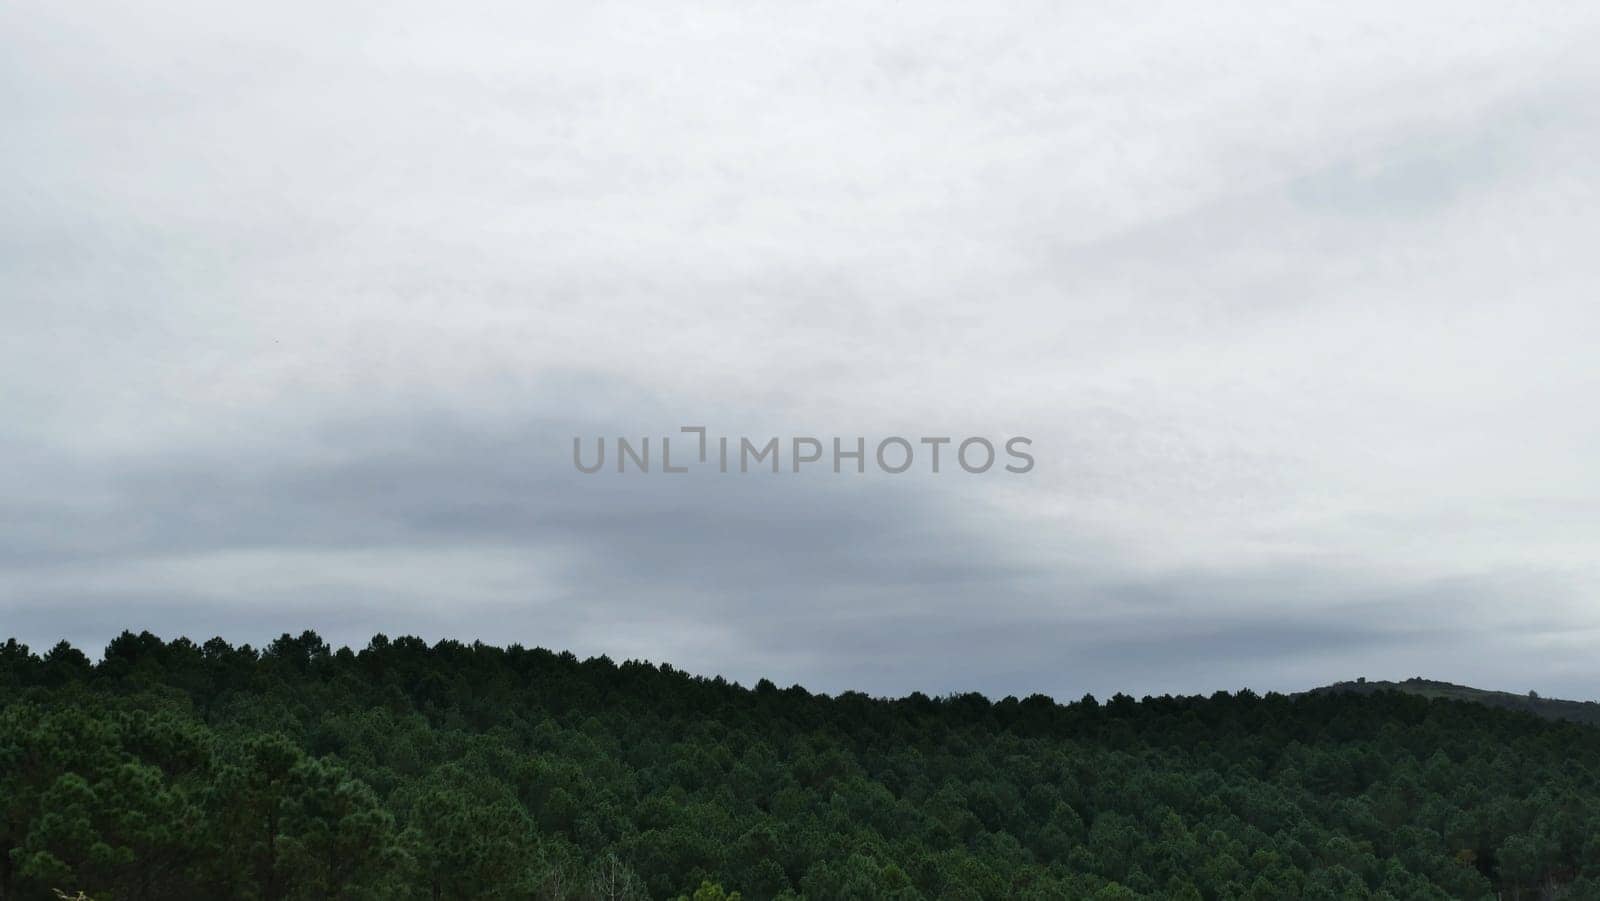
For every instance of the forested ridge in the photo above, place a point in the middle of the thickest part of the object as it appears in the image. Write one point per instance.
(1551, 708)
(176, 770)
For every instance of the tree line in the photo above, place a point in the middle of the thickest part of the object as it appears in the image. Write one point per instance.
(177, 770)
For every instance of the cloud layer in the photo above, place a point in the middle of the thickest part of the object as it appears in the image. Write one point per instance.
(302, 308)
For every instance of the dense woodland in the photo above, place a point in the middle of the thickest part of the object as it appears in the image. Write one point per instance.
(175, 770)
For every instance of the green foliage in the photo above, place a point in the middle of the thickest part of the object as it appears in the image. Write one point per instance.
(170, 770)
(710, 891)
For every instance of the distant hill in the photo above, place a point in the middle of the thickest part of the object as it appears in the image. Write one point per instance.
(1549, 708)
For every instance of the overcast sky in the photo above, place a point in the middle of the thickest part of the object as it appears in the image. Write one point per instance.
(301, 305)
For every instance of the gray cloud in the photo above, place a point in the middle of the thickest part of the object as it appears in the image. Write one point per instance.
(301, 306)
(435, 525)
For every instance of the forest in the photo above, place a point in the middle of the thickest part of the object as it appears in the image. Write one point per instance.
(177, 770)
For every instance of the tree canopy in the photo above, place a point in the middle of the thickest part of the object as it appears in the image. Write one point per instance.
(176, 770)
